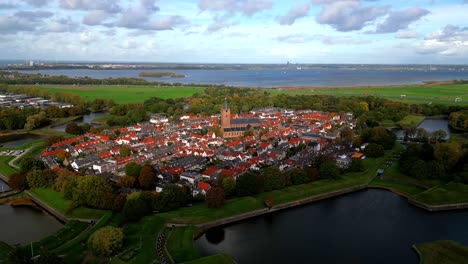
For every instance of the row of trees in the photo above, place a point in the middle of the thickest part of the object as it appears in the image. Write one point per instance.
(445, 161)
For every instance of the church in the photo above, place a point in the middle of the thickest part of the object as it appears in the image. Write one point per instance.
(236, 127)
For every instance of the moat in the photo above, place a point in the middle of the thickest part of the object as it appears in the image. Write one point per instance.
(371, 226)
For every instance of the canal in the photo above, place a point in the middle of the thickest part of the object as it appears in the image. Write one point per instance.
(371, 226)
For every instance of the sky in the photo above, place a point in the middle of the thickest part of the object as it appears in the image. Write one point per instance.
(236, 31)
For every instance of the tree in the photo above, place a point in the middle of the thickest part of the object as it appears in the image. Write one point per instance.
(28, 162)
(374, 150)
(419, 170)
(132, 169)
(35, 178)
(90, 190)
(269, 201)
(328, 170)
(448, 152)
(125, 152)
(52, 139)
(172, 197)
(136, 207)
(439, 135)
(73, 128)
(17, 181)
(215, 197)
(147, 177)
(247, 184)
(273, 179)
(299, 176)
(106, 241)
(229, 185)
(357, 165)
(347, 136)
(126, 181)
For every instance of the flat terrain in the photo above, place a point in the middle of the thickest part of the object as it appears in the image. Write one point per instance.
(439, 93)
(123, 94)
(442, 252)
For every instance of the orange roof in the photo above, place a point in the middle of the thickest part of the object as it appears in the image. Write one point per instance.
(203, 185)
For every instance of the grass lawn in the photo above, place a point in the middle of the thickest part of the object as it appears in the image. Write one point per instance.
(56, 201)
(5, 169)
(397, 186)
(214, 259)
(140, 241)
(180, 244)
(69, 231)
(411, 120)
(200, 213)
(75, 248)
(442, 252)
(437, 94)
(123, 94)
(450, 193)
(61, 121)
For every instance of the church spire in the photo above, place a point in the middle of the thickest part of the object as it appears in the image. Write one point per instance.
(226, 106)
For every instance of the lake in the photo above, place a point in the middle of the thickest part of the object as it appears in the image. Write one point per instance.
(371, 226)
(278, 77)
(23, 224)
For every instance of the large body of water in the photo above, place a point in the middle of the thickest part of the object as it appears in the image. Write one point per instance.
(371, 226)
(278, 77)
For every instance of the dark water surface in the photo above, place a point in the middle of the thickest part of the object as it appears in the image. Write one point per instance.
(23, 224)
(88, 118)
(278, 77)
(371, 226)
(11, 141)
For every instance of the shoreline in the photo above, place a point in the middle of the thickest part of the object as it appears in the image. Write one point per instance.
(420, 85)
(202, 228)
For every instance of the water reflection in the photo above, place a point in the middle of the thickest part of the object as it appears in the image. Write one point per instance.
(215, 235)
(22, 224)
(371, 226)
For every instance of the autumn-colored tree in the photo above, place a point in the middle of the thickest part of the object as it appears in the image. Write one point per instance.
(73, 128)
(269, 201)
(63, 155)
(64, 178)
(215, 197)
(147, 178)
(90, 190)
(17, 181)
(106, 241)
(448, 153)
(126, 181)
(52, 139)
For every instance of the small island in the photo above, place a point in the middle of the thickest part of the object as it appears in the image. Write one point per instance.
(161, 74)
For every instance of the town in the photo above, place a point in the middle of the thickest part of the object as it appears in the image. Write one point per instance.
(194, 152)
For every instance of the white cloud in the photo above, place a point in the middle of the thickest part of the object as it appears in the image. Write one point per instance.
(293, 14)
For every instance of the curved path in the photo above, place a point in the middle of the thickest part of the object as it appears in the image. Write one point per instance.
(12, 162)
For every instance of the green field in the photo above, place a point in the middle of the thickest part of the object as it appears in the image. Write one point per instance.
(442, 252)
(180, 244)
(440, 94)
(450, 193)
(56, 201)
(124, 94)
(214, 259)
(5, 169)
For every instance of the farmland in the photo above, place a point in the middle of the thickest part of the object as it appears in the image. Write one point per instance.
(436, 94)
(125, 93)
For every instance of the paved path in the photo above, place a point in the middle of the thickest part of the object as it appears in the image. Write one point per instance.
(12, 162)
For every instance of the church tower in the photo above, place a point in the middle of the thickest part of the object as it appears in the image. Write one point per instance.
(225, 116)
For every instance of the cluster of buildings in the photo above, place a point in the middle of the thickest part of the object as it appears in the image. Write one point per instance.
(22, 101)
(189, 151)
